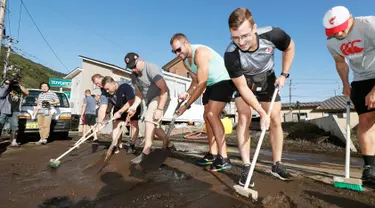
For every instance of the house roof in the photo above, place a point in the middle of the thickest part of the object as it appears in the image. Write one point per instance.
(73, 73)
(112, 66)
(173, 62)
(301, 104)
(336, 103)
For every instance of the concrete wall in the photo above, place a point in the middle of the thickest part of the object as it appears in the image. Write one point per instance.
(76, 97)
(333, 125)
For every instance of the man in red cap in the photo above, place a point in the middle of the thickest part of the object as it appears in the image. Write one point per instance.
(352, 40)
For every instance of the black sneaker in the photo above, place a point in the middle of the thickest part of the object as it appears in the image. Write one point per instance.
(220, 164)
(130, 149)
(208, 159)
(368, 174)
(244, 174)
(279, 171)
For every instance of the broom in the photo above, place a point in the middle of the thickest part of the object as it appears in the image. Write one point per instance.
(347, 182)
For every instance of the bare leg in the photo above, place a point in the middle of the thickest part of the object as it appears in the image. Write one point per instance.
(276, 131)
(214, 109)
(243, 136)
(210, 134)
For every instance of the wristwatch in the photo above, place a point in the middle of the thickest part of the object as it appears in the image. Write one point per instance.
(187, 105)
(286, 75)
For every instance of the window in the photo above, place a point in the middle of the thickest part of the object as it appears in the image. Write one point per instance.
(30, 100)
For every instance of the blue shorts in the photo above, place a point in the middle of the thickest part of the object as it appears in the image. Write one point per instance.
(11, 118)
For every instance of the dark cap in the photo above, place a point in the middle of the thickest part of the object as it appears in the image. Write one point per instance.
(131, 60)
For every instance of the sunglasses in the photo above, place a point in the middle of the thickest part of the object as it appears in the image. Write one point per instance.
(178, 50)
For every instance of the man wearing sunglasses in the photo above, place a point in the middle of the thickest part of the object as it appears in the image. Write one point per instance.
(249, 60)
(150, 86)
(352, 40)
(207, 71)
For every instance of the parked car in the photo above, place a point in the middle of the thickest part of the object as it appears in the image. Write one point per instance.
(61, 120)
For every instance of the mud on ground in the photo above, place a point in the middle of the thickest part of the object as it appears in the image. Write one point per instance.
(28, 182)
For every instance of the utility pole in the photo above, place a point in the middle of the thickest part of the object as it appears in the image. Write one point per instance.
(2, 15)
(290, 91)
(9, 41)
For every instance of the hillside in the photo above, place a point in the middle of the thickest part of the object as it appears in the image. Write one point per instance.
(32, 73)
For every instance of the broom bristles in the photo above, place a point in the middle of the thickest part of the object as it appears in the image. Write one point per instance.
(343, 185)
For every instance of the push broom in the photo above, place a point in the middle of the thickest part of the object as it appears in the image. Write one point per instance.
(244, 190)
(84, 136)
(347, 182)
(55, 163)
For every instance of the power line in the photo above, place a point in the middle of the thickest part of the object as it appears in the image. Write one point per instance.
(43, 36)
(32, 57)
(19, 21)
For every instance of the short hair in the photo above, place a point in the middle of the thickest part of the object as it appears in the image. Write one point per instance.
(42, 83)
(178, 36)
(106, 80)
(239, 16)
(87, 91)
(96, 76)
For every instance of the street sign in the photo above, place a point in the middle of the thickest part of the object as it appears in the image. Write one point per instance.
(67, 94)
(63, 83)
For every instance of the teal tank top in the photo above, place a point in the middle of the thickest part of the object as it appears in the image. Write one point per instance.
(216, 69)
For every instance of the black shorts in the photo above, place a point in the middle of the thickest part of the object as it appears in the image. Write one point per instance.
(90, 119)
(262, 86)
(221, 92)
(360, 89)
(136, 116)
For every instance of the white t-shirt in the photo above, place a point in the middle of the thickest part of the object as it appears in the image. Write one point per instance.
(358, 48)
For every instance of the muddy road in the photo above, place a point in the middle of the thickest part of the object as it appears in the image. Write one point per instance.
(27, 181)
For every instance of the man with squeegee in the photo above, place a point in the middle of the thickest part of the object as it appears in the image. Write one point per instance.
(249, 59)
(352, 40)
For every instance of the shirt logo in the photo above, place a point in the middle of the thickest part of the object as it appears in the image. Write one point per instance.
(269, 50)
(350, 48)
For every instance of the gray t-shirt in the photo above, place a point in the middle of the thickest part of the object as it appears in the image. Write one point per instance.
(145, 81)
(90, 105)
(358, 48)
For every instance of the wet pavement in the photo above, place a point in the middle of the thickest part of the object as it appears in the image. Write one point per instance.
(27, 181)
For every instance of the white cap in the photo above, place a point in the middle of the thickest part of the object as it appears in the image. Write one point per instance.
(336, 20)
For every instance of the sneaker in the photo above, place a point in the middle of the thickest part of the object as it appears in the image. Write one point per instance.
(130, 149)
(14, 144)
(220, 164)
(208, 159)
(244, 174)
(138, 159)
(368, 174)
(279, 171)
(42, 141)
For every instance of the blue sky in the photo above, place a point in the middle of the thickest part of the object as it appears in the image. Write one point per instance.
(107, 30)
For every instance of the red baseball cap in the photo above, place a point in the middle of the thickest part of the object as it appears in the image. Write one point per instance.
(336, 20)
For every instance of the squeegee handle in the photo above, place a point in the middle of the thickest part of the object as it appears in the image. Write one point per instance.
(83, 140)
(348, 141)
(255, 158)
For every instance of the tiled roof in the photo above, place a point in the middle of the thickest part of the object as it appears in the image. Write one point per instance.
(335, 103)
(173, 62)
(301, 104)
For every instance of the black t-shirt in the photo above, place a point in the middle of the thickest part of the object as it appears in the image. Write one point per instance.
(123, 94)
(248, 63)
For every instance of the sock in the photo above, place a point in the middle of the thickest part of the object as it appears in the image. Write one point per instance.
(246, 164)
(369, 160)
